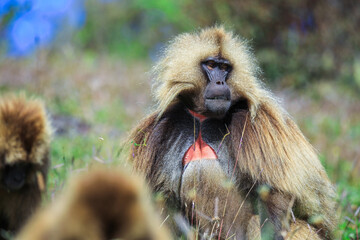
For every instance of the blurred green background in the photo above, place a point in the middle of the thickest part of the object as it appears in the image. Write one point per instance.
(90, 67)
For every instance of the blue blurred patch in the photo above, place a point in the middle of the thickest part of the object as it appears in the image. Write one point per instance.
(35, 23)
(29, 31)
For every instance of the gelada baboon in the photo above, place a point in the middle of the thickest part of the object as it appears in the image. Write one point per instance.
(24, 159)
(221, 150)
(99, 205)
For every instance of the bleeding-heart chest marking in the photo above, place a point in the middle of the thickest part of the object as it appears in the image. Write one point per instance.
(200, 149)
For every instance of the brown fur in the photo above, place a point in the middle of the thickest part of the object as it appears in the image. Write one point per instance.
(99, 205)
(273, 150)
(214, 197)
(24, 138)
(299, 230)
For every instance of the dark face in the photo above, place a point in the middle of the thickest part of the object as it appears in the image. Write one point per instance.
(14, 176)
(217, 95)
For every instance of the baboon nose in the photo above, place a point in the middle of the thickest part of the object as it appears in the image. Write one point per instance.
(220, 83)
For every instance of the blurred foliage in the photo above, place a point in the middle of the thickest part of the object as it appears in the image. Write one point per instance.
(296, 41)
(132, 29)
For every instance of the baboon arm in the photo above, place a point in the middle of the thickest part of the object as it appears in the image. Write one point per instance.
(299, 230)
(274, 214)
(140, 154)
(273, 151)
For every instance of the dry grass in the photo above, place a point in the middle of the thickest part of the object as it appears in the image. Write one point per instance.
(92, 82)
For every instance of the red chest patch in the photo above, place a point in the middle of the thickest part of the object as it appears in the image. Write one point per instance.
(200, 149)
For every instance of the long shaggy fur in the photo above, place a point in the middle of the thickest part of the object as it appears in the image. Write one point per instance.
(271, 149)
(25, 136)
(25, 131)
(99, 205)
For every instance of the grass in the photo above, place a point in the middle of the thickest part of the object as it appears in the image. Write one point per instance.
(96, 100)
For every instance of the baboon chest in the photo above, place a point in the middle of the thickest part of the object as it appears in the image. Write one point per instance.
(192, 137)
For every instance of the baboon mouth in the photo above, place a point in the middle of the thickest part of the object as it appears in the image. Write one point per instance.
(219, 98)
(217, 107)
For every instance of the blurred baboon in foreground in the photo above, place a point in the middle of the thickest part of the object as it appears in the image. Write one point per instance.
(99, 205)
(222, 150)
(24, 159)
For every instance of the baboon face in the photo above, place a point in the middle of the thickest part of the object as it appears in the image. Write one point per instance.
(212, 97)
(217, 96)
(15, 169)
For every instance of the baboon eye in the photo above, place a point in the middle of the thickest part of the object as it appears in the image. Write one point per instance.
(210, 65)
(224, 67)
